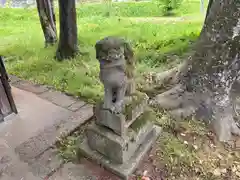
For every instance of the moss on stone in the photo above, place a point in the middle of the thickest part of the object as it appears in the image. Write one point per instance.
(135, 99)
(148, 115)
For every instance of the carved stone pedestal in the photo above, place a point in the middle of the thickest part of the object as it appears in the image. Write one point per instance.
(119, 141)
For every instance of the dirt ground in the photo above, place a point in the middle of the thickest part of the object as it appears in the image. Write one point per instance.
(188, 150)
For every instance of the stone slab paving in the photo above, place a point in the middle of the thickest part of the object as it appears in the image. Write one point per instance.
(85, 170)
(58, 98)
(28, 86)
(29, 136)
(11, 168)
(34, 115)
(46, 164)
(27, 140)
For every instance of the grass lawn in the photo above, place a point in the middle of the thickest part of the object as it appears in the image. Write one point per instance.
(154, 44)
(137, 9)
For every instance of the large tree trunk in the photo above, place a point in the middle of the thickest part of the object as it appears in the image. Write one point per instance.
(68, 46)
(47, 20)
(205, 82)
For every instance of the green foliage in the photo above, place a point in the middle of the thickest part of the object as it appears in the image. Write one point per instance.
(67, 148)
(128, 9)
(170, 5)
(134, 9)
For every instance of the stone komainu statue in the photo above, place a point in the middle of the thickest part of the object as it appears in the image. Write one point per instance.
(117, 66)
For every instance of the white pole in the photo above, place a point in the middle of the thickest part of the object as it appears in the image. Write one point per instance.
(202, 6)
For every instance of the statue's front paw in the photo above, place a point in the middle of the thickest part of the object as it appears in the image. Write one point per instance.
(115, 110)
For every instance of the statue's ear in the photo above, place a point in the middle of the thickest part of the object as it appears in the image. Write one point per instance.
(98, 49)
(128, 52)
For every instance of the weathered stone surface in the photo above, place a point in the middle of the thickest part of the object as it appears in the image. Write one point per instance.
(28, 86)
(107, 143)
(58, 98)
(115, 122)
(78, 118)
(46, 164)
(125, 169)
(72, 171)
(116, 70)
(29, 135)
(34, 116)
(84, 170)
(145, 119)
(120, 122)
(115, 148)
(46, 138)
(135, 107)
(13, 79)
(139, 136)
(11, 168)
(75, 106)
(37, 144)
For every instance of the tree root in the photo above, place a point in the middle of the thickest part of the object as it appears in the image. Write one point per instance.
(182, 104)
(235, 129)
(224, 126)
(166, 77)
(161, 82)
(170, 76)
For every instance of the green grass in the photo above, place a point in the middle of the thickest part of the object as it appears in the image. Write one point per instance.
(22, 39)
(126, 9)
(135, 9)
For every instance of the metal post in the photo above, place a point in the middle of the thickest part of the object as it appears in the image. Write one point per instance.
(202, 6)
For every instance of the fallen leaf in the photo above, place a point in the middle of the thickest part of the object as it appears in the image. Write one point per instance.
(144, 173)
(182, 134)
(219, 156)
(223, 171)
(195, 147)
(234, 169)
(217, 172)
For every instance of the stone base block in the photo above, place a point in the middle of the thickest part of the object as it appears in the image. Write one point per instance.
(116, 148)
(113, 121)
(135, 105)
(126, 169)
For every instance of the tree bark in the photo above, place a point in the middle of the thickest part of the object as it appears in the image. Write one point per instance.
(68, 45)
(205, 83)
(47, 20)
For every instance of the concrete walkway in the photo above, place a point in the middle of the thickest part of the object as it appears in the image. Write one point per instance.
(27, 138)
